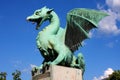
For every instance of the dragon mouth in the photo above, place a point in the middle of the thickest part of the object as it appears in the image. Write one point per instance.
(37, 21)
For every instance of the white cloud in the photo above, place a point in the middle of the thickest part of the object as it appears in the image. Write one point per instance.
(114, 5)
(17, 63)
(99, 6)
(28, 69)
(90, 34)
(105, 75)
(110, 45)
(113, 43)
(109, 25)
(32, 65)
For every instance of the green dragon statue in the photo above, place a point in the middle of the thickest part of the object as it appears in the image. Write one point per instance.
(57, 45)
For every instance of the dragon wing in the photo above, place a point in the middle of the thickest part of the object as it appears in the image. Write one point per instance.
(79, 22)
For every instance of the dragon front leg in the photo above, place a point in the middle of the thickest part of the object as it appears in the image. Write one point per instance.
(59, 58)
(62, 51)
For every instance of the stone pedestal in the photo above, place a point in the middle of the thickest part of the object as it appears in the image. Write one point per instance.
(59, 73)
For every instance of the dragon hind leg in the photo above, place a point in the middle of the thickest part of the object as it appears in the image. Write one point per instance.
(80, 62)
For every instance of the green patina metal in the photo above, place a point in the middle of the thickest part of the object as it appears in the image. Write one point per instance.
(57, 45)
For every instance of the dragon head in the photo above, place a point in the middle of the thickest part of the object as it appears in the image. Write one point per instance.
(40, 16)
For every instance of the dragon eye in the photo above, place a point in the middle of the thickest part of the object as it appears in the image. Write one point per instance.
(37, 13)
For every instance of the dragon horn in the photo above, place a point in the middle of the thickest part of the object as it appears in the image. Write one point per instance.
(50, 11)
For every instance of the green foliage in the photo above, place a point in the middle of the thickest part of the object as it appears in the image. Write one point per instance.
(114, 76)
(16, 75)
(3, 75)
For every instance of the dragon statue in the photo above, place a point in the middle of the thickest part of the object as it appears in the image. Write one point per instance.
(57, 45)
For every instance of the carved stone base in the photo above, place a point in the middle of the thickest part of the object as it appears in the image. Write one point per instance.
(59, 73)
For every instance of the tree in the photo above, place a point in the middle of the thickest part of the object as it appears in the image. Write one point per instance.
(3, 75)
(16, 75)
(114, 76)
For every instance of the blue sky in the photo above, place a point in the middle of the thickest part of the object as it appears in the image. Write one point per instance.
(18, 37)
